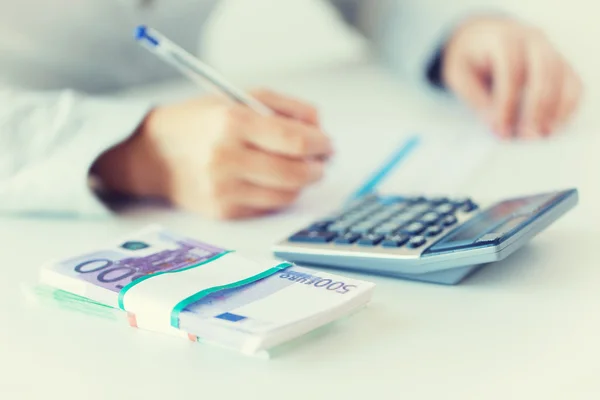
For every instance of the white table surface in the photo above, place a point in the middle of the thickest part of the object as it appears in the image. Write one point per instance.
(524, 328)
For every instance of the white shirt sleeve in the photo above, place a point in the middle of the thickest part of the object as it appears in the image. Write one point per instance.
(407, 34)
(48, 143)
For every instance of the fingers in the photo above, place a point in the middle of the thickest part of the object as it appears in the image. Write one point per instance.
(471, 86)
(247, 182)
(263, 169)
(544, 90)
(508, 71)
(498, 105)
(242, 194)
(571, 93)
(534, 90)
(288, 107)
(233, 211)
(276, 172)
(259, 164)
(237, 199)
(473, 90)
(280, 135)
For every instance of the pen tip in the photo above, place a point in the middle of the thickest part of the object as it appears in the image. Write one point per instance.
(144, 35)
(140, 32)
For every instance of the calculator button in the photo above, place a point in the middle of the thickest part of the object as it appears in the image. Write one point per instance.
(346, 215)
(436, 201)
(420, 209)
(433, 231)
(359, 214)
(363, 227)
(395, 240)
(416, 200)
(387, 200)
(386, 228)
(347, 238)
(329, 219)
(403, 218)
(362, 202)
(449, 220)
(470, 206)
(339, 227)
(445, 209)
(313, 237)
(380, 223)
(461, 201)
(355, 216)
(375, 220)
(396, 208)
(413, 229)
(351, 215)
(352, 221)
(430, 218)
(378, 218)
(388, 213)
(320, 226)
(372, 208)
(416, 241)
(370, 239)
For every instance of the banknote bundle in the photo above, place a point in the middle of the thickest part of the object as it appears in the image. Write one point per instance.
(169, 283)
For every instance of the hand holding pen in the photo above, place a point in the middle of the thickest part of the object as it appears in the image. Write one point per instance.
(236, 156)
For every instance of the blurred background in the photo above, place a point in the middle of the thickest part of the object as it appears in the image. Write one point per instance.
(309, 34)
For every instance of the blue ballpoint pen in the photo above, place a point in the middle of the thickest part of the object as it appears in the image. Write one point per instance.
(194, 69)
(204, 75)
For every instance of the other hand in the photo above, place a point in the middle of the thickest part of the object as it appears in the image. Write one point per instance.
(512, 75)
(222, 160)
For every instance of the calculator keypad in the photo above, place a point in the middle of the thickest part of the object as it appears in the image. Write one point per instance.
(388, 222)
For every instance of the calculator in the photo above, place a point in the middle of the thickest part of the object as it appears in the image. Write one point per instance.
(430, 239)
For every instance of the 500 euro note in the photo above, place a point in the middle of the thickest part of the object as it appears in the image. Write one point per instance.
(278, 300)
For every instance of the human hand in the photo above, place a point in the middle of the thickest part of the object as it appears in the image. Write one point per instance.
(221, 160)
(512, 76)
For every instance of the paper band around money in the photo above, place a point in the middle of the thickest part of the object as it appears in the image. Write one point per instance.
(162, 296)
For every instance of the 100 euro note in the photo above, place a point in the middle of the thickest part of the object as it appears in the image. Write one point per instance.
(264, 306)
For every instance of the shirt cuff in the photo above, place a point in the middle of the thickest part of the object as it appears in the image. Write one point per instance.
(59, 184)
(434, 70)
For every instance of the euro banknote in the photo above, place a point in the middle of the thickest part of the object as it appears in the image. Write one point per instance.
(293, 298)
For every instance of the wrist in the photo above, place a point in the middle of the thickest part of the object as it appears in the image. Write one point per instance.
(133, 167)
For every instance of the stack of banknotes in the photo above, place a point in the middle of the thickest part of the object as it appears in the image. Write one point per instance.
(168, 283)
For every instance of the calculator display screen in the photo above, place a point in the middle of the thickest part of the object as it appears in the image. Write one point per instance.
(493, 224)
(489, 219)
